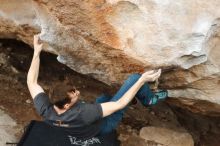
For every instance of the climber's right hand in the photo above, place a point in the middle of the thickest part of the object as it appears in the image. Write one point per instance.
(150, 76)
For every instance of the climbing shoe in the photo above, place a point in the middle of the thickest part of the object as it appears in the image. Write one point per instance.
(159, 95)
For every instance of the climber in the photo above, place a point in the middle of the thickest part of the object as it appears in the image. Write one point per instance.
(84, 119)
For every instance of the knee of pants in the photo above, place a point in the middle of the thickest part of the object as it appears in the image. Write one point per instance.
(134, 77)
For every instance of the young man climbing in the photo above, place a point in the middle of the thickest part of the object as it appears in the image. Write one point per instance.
(88, 120)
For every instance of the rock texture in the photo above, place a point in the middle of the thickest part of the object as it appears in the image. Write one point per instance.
(7, 129)
(166, 137)
(109, 39)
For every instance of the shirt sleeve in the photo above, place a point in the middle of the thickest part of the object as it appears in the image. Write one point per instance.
(42, 103)
(91, 113)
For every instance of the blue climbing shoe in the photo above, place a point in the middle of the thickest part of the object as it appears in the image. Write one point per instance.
(159, 95)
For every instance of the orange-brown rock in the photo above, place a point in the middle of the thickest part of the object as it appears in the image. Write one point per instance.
(109, 39)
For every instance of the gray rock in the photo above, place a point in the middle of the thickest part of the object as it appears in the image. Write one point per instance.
(3, 59)
(166, 136)
(7, 125)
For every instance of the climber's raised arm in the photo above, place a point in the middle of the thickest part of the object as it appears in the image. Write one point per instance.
(110, 107)
(33, 72)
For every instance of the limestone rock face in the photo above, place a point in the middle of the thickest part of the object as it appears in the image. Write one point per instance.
(109, 39)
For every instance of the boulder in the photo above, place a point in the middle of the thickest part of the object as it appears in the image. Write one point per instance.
(110, 39)
(7, 130)
(167, 137)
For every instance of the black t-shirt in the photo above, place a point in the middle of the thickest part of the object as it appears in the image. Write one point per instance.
(82, 120)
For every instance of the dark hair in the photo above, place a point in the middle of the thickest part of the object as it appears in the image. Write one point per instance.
(59, 97)
(60, 103)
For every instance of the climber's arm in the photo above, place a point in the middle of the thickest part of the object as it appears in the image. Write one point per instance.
(109, 108)
(33, 72)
